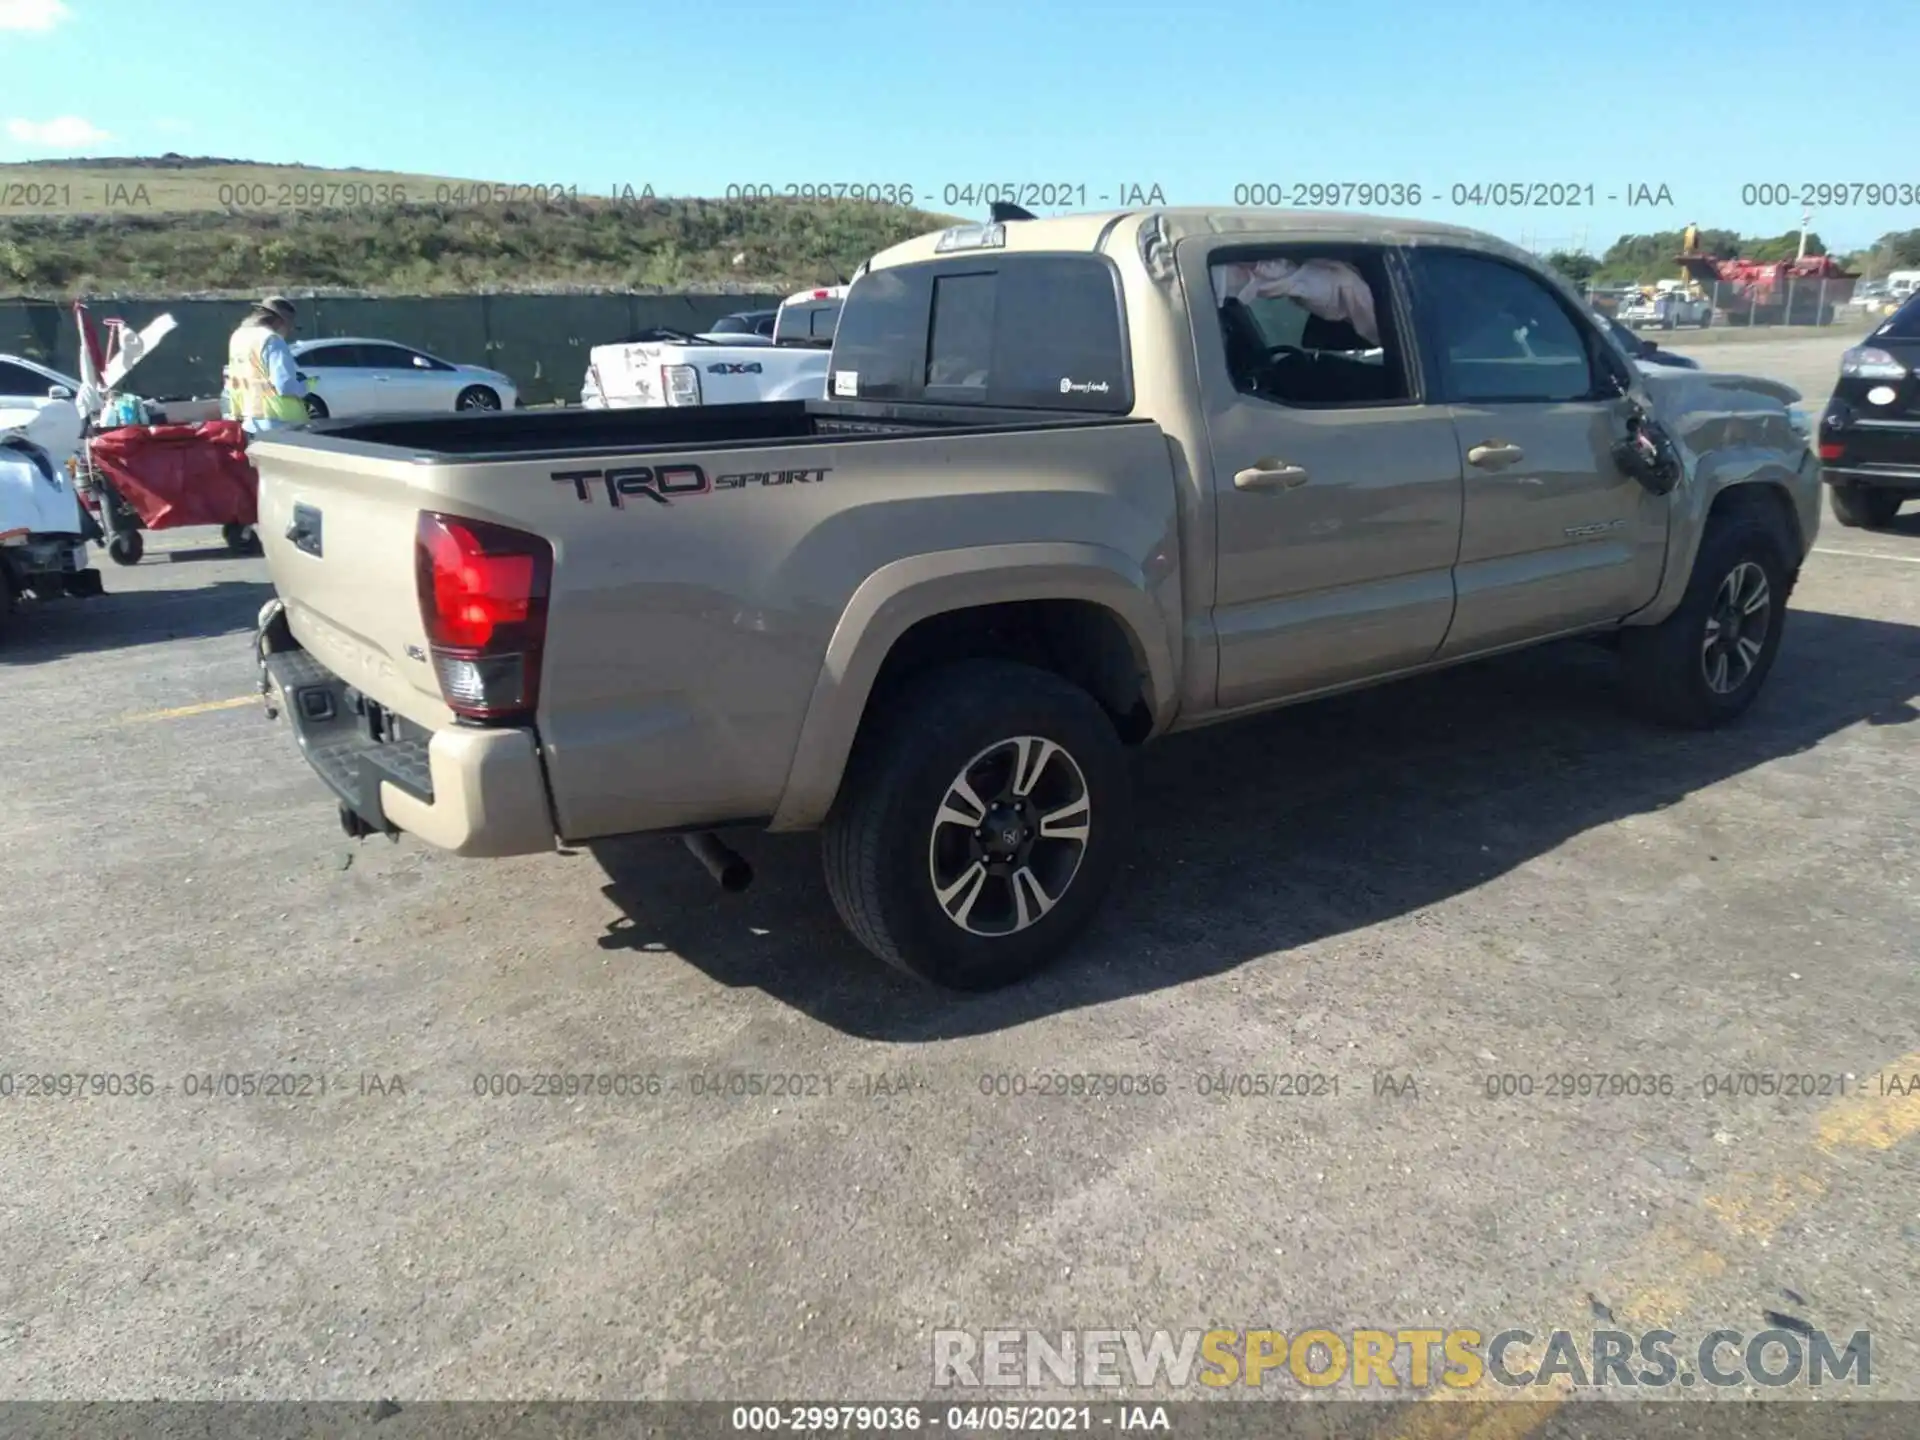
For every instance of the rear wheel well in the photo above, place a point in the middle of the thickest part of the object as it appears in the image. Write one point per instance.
(1081, 642)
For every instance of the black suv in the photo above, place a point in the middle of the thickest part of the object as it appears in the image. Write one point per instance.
(1870, 434)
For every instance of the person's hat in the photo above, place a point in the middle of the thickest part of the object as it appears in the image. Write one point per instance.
(278, 306)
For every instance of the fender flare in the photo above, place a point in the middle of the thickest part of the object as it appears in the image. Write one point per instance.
(898, 596)
(1690, 528)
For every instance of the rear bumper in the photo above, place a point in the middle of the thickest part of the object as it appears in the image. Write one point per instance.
(1902, 479)
(475, 792)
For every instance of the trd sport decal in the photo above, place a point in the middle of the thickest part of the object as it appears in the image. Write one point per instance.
(666, 483)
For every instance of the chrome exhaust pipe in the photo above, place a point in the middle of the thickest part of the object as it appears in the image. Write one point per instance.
(725, 864)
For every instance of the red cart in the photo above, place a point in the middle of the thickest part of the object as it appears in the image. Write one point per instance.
(161, 477)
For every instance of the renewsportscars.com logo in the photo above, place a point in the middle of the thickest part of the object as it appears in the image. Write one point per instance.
(1397, 1359)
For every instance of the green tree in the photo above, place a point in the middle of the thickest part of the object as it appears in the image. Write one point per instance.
(1575, 265)
(1896, 250)
(1781, 247)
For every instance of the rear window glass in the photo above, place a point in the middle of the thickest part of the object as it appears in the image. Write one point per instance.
(960, 350)
(1904, 324)
(1018, 331)
(812, 322)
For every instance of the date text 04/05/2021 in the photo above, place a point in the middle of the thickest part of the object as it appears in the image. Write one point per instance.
(883, 1419)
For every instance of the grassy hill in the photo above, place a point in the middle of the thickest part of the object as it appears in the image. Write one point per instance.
(174, 225)
(171, 184)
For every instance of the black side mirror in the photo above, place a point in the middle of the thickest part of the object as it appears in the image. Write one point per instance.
(1648, 453)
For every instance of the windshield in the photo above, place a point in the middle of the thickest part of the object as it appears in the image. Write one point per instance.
(1904, 323)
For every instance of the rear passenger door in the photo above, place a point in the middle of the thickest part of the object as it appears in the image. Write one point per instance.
(403, 380)
(1555, 536)
(1335, 480)
(334, 374)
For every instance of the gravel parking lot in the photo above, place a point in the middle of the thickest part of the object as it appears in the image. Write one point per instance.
(1484, 874)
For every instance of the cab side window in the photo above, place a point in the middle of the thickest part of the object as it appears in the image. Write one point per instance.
(1501, 336)
(1310, 328)
(386, 357)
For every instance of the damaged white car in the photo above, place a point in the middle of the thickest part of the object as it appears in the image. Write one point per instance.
(44, 529)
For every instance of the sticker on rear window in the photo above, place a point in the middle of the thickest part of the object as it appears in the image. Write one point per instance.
(846, 382)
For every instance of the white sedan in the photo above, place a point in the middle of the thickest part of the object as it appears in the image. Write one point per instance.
(24, 377)
(349, 375)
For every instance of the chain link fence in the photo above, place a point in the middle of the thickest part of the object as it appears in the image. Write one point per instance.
(1793, 301)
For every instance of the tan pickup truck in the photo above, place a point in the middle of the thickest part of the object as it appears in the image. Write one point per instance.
(1079, 482)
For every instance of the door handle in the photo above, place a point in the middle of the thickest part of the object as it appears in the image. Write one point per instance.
(1270, 475)
(1494, 454)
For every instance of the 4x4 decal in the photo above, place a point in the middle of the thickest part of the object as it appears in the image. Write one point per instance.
(734, 367)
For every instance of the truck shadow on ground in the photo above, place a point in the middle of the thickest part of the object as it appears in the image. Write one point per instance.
(1904, 525)
(47, 630)
(1259, 836)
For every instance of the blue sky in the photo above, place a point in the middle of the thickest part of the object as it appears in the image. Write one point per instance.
(1197, 98)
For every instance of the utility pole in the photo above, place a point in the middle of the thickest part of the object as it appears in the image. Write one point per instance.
(1806, 219)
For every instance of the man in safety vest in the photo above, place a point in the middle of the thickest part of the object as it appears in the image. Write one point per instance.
(264, 390)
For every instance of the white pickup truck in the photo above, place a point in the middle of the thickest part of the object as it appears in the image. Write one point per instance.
(679, 369)
(1667, 310)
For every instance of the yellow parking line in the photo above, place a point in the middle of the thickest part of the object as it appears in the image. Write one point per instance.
(1884, 1112)
(1752, 1206)
(183, 711)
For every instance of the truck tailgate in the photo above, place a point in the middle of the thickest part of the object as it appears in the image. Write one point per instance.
(338, 533)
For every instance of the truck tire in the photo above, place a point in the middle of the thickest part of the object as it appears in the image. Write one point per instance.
(978, 906)
(1704, 664)
(1861, 507)
(126, 548)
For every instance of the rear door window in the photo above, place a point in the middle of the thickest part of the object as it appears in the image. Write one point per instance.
(1033, 331)
(1306, 327)
(330, 357)
(389, 357)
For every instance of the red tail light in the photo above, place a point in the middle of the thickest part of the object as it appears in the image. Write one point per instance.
(483, 598)
(1831, 451)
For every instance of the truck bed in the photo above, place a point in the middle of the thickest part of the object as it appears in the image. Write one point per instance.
(482, 437)
(703, 560)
